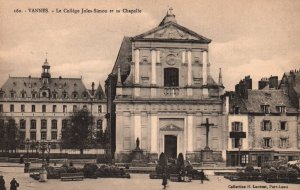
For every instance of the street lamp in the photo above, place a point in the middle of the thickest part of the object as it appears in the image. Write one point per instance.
(44, 146)
(239, 154)
(27, 144)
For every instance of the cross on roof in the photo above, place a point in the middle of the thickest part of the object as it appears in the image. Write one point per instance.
(170, 11)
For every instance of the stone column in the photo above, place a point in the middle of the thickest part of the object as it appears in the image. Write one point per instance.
(27, 130)
(59, 126)
(154, 135)
(153, 67)
(158, 56)
(137, 66)
(190, 133)
(183, 56)
(137, 129)
(189, 68)
(204, 69)
(38, 129)
(49, 127)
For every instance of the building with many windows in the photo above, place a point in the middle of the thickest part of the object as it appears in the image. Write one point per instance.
(263, 124)
(40, 106)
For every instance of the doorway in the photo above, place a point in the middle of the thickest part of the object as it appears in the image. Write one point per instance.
(171, 146)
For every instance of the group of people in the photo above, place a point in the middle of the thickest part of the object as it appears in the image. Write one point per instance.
(183, 176)
(13, 184)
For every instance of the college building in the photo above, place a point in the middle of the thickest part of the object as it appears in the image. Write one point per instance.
(41, 106)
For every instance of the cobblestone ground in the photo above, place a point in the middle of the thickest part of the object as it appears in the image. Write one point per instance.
(137, 181)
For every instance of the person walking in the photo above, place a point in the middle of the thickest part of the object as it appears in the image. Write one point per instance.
(165, 180)
(201, 174)
(14, 184)
(2, 183)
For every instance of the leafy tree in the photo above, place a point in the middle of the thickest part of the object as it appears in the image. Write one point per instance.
(9, 134)
(79, 133)
(163, 162)
(180, 162)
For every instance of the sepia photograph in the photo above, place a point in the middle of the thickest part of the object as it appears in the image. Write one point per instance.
(149, 94)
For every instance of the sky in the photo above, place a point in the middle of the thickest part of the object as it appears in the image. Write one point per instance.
(259, 38)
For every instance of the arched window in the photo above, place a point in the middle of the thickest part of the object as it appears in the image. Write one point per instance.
(171, 77)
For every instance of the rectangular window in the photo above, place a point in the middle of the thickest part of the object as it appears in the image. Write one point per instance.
(74, 108)
(171, 76)
(99, 108)
(99, 124)
(267, 142)
(44, 124)
(1, 108)
(22, 135)
(54, 135)
(283, 143)
(85, 107)
(64, 108)
(32, 135)
(237, 143)
(245, 158)
(12, 108)
(22, 124)
(281, 109)
(265, 108)
(237, 126)
(43, 108)
(283, 125)
(33, 124)
(54, 108)
(32, 108)
(54, 124)
(266, 125)
(44, 135)
(22, 108)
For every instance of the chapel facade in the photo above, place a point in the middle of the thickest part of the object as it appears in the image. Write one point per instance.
(161, 91)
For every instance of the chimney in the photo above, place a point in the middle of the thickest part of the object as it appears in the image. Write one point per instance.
(93, 88)
(263, 83)
(273, 82)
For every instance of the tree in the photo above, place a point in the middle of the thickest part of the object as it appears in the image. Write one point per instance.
(79, 133)
(180, 162)
(163, 162)
(9, 134)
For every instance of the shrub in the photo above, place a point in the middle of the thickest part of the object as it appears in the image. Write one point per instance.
(249, 169)
(273, 173)
(158, 169)
(89, 170)
(189, 168)
(255, 173)
(265, 172)
(180, 162)
(292, 173)
(71, 169)
(282, 173)
(172, 169)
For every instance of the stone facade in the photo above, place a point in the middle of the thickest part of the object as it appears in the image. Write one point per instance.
(163, 93)
(40, 106)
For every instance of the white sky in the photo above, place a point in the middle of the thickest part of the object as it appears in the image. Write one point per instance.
(257, 38)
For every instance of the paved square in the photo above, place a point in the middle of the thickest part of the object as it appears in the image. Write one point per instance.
(137, 182)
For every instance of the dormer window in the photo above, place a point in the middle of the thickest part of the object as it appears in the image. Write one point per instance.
(2, 94)
(12, 94)
(281, 109)
(265, 108)
(54, 95)
(236, 109)
(75, 94)
(64, 94)
(34, 95)
(23, 94)
(44, 94)
(84, 94)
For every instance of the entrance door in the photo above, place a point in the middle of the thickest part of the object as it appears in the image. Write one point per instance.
(259, 161)
(171, 146)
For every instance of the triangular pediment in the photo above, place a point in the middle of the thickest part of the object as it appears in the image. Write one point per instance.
(172, 31)
(171, 127)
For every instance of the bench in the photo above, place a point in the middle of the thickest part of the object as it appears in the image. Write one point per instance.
(71, 176)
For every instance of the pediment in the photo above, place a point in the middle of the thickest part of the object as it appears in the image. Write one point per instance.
(172, 31)
(171, 127)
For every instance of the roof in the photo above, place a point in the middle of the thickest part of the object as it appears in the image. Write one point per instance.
(256, 98)
(124, 59)
(178, 33)
(59, 86)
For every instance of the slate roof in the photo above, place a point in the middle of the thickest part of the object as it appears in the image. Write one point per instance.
(59, 86)
(256, 98)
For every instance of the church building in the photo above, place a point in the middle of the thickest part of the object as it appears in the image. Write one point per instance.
(161, 93)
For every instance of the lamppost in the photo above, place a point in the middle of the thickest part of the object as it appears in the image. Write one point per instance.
(239, 154)
(43, 146)
(27, 164)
